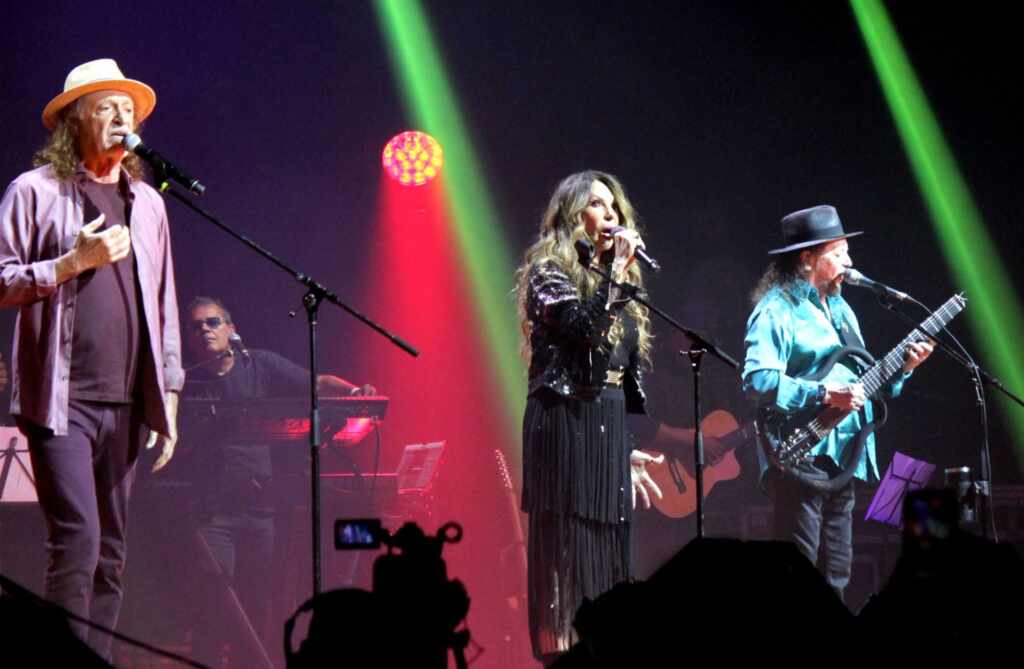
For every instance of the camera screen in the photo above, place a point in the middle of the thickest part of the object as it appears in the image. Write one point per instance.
(929, 516)
(356, 533)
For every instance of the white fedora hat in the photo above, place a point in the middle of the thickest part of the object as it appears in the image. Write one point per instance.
(100, 75)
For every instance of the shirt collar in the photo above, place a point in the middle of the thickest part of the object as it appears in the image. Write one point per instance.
(801, 289)
(81, 174)
(125, 183)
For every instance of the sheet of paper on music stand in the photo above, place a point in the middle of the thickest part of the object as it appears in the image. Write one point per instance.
(17, 484)
(418, 465)
(903, 475)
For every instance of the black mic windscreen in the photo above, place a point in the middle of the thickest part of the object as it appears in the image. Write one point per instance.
(585, 250)
(853, 277)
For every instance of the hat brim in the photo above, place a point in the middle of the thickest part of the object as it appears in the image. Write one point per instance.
(143, 95)
(815, 242)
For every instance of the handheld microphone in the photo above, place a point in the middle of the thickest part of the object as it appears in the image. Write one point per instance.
(641, 254)
(855, 278)
(162, 166)
(236, 342)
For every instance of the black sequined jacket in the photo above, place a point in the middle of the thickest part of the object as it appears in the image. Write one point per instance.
(570, 349)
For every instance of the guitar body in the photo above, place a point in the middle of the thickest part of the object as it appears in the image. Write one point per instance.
(674, 476)
(775, 427)
(788, 439)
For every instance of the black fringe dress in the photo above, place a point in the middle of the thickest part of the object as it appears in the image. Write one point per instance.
(576, 478)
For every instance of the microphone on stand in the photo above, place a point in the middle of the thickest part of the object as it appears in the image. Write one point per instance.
(236, 343)
(855, 278)
(162, 166)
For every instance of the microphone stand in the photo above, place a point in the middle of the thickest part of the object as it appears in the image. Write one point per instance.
(316, 293)
(983, 486)
(700, 346)
(227, 353)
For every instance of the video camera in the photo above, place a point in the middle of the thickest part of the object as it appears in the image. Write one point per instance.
(408, 619)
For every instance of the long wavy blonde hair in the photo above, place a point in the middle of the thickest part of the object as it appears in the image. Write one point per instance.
(560, 227)
(61, 148)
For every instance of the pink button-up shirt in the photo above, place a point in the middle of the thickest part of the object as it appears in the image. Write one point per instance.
(40, 217)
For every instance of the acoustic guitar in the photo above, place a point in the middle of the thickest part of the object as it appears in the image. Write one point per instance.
(722, 436)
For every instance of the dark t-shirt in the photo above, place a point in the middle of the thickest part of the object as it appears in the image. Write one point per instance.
(237, 472)
(108, 329)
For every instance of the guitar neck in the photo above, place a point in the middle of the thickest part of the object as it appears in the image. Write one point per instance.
(887, 367)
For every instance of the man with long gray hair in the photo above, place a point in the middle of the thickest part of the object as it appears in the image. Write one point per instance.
(85, 256)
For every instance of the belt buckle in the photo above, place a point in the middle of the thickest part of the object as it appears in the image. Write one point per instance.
(613, 377)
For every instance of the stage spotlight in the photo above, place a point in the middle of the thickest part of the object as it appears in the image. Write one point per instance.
(412, 158)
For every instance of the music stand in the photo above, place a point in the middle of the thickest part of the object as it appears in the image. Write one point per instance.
(17, 484)
(903, 475)
(418, 466)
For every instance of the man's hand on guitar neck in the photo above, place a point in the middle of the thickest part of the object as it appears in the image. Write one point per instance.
(845, 396)
(917, 352)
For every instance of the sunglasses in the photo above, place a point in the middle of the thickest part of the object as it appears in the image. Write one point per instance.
(213, 322)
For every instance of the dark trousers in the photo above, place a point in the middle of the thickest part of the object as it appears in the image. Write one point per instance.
(84, 479)
(242, 546)
(814, 520)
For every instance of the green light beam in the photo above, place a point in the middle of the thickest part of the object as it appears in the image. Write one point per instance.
(993, 312)
(432, 104)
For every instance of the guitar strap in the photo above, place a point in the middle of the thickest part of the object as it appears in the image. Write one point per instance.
(848, 334)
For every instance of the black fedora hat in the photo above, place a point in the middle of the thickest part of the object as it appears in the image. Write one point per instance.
(810, 227)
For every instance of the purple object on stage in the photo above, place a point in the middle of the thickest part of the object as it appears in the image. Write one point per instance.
(903, 475)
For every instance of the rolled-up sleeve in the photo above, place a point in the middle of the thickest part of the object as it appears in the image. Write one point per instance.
(21, 282)
(769, 342)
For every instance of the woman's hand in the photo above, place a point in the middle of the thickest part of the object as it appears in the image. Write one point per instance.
(643, 484)
(626, 243)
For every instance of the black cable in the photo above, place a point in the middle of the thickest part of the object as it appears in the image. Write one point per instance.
(20, 591)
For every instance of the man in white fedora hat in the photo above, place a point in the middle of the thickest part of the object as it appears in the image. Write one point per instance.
(85, 255)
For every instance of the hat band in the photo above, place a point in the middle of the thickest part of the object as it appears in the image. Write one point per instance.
(820, 234)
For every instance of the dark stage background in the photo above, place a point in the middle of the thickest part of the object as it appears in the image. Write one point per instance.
(718, 117)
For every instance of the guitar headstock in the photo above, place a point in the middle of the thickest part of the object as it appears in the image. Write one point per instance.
(506, 477)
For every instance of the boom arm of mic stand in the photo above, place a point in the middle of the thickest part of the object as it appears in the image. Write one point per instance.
(306, 280)
(315, 294)
(948, 350)
(698, 340)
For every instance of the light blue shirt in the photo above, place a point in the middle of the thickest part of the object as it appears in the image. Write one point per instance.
(790, 336)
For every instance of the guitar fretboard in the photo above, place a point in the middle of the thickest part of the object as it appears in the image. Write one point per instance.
(887, 367)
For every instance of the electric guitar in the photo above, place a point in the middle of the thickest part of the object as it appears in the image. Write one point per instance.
(788, 438)
(722, 435)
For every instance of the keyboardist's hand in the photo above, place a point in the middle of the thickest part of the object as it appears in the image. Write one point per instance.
(365, 390)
